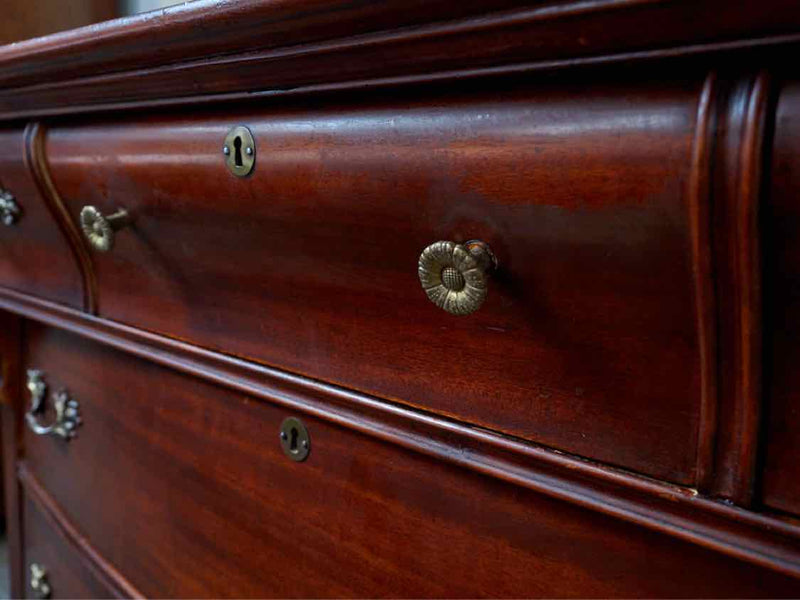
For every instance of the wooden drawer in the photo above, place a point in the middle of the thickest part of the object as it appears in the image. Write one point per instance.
(34, 254)
(67, 573)
(184, 489)
(588, 340)
(781, 223)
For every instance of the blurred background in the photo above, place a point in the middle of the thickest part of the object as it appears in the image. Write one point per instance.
(23, 19)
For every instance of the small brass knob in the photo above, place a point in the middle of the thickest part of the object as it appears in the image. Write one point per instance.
(40, 585)
(9, 209)
(99, 230)
(456, 276)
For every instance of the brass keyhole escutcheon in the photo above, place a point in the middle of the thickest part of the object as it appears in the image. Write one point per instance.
(239, 150)
(295, 441)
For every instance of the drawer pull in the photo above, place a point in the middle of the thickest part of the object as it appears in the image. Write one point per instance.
(456, 276)
(68, 416)
(9, 209)
(40, 585)
(99, 230)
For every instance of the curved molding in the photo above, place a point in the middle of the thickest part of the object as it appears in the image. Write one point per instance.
(699, 200)
(99, 566)
(676, 511)
(738, 163)
(213, 51)
(37, 163)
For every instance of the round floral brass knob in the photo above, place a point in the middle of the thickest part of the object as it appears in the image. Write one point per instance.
(456, 276)
(99, 230)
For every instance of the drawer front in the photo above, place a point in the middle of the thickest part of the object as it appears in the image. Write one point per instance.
(34, 254)
(782, 308)
(587, 341)
(184, 489)
(64, 570)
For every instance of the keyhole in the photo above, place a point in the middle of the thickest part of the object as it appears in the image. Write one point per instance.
(237, 151)
(293, 439)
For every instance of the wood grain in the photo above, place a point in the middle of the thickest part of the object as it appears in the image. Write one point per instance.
(699, 199)
(34, 256)
(737, 197)
(586, 342)
(781, 487)
(220, 511)
(69, 574)
(328, 44)
(37, 162)
(757, 538)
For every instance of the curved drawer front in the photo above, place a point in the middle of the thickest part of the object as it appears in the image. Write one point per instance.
(34, 254)
(52, 564)
(184, 489)
(780, 222)
(587, 339)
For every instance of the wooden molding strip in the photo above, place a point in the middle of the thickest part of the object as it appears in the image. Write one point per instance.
(748, 264)
(699, 200)
(680, 512)
(99, 566)
(736, 194)
(36, 159)
(547, 36)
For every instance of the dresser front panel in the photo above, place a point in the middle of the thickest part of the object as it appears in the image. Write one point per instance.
(34, 254)
(781, 222)
(68, 573)
(588, 339)
(183, 487)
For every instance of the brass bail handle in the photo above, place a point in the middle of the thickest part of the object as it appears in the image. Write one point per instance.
(456, 276)
(100, 229)
(67, 418)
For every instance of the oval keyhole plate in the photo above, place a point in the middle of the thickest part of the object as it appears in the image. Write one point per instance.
(239, 150)
(295, 442)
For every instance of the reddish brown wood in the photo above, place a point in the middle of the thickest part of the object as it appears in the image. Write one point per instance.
(781, 484)
(327, 43)
(34, 256)
(10, 397)
(37, 162)
(68, 573)
(699, 199)
(586, 343)
(680, 512)
(737, 176)
(359, 517)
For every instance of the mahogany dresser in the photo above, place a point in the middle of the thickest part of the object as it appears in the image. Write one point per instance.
(411, 298)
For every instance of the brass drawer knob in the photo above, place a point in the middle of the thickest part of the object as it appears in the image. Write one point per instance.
(68, 416)
(40, 585)
(99, 230)
(456, 276)
(9, 209)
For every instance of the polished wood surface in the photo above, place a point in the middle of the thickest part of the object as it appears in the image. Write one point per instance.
(67, 573)
(358, 518)
(587, 341)
(300, 46)
(616, 420)
(682, 512)
(782, 307)
(34, 255)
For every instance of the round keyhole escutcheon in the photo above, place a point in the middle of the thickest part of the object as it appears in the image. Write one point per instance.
(295, 441)
(239, 151)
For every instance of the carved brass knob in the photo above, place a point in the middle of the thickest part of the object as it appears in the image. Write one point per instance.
(40, 585)
(456, 276)
(9, 209)
(68, 416)
(100, 230)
